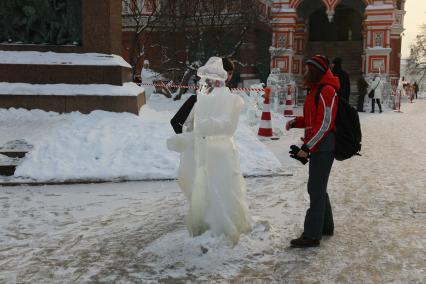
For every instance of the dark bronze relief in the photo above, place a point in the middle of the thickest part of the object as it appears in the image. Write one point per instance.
(56, 22)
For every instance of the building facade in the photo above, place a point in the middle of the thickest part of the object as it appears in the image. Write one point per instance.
(366, 34)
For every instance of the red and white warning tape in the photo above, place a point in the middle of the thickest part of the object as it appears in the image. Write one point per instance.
(195, 87)
(248, 89)
(167, 85)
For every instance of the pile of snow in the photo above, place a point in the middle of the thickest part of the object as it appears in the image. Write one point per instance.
(112, 146)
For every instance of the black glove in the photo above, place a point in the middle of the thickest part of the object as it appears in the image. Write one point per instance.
(293, 153)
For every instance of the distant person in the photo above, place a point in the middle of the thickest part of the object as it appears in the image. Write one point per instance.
(411, 92)
(362, 91)
(404, 82)
(416, 89)
(377, 86)
(345, 84)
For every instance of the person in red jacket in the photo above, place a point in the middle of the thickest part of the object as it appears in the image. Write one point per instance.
(319, 113)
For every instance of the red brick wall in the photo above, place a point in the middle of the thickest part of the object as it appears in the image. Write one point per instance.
(395, 60)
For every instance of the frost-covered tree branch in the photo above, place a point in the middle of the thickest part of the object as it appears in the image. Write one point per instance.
(142, 16)
(417, 59)
(188, 32)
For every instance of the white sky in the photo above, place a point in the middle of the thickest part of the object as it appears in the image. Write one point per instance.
(414, 18)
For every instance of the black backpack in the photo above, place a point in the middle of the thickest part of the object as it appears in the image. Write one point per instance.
(348, 129)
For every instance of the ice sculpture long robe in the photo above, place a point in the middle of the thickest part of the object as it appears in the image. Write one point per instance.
(216, 191)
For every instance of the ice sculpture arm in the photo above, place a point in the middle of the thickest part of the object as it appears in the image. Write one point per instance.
(178, 142)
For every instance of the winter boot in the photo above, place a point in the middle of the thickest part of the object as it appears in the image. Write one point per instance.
(303, 242)
(380, 106)
(327, 233)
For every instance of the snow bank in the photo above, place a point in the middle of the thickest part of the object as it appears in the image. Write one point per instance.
(108, 146)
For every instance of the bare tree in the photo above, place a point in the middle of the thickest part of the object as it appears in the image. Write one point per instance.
(140, 16)
(188, 32)
(194, 30)
(417, 59)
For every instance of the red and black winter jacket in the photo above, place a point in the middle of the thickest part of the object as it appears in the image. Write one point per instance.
(318, 119)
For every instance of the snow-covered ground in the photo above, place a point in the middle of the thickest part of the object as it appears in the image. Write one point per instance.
(135, 232)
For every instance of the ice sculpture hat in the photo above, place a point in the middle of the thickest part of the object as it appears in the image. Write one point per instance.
(213, 69)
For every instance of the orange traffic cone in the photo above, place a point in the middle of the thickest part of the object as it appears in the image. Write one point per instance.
(288, 110)
(265, 127)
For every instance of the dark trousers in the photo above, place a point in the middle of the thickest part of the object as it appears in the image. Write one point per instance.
(319, 216)
(373, 104)
(360, 105)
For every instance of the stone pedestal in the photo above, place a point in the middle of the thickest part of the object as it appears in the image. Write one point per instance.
(91, 61)
(82, 103)
(100, 31)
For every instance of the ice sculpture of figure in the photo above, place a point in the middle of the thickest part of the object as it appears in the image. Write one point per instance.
(400, 88)
(209, 171)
